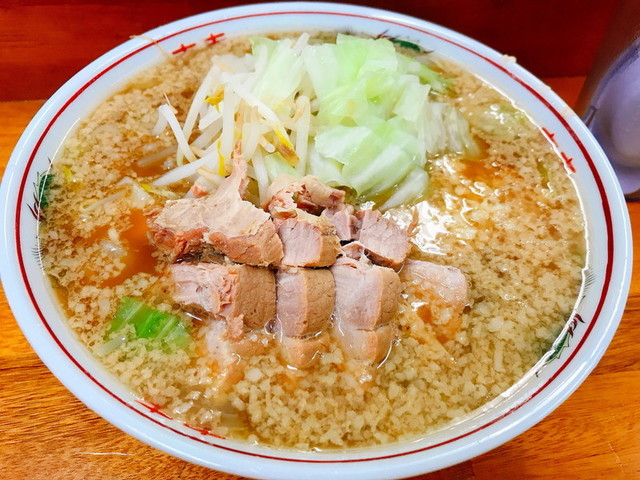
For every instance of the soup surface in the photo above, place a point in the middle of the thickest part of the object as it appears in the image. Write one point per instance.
(507, 217)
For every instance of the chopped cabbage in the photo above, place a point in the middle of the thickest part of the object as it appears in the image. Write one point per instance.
(356, 114)
(277, 165)
(149, 323)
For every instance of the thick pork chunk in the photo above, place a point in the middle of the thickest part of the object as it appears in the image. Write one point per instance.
(366, 301)
(343, 219)
(366, 295)
(307, 193)
(305, 301)
(305, 298)
(262, 248)
(367, 345)
(172, 241)
(222, 221)
(386, 243)
(355, 251)
(241, 295)
(438, 293)
(308, 240)
(228, 352)
(300, 352)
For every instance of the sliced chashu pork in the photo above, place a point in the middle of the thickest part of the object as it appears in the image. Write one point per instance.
(229, 352)
(241, 295)
(304, 352)
(287, 193)
(366, 295)
(438, 293)
(371, 346)
(307, 240)
(385, 242)
(222, 221)
(343, 219)
(305, 302)
(367, 299)
(307, 193)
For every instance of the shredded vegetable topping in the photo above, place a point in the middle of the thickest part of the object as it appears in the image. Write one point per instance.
(356, 114)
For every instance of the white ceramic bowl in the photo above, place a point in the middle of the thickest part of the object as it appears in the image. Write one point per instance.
(590, 328)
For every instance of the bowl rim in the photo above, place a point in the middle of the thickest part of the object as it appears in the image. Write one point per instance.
(613, 203)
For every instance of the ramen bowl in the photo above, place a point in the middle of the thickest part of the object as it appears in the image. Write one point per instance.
(557, 374)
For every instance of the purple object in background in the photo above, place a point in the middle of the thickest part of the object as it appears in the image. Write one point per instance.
(610, 100)
(614, 118)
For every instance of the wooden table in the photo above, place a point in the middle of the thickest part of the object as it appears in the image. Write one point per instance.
(46, 433)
